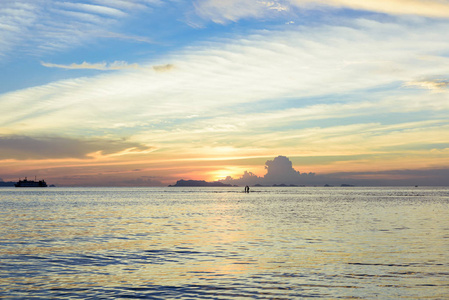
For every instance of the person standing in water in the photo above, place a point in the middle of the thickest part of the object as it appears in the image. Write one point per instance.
(246, 189)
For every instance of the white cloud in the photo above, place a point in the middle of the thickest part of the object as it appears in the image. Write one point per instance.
(104, 66)
(95, 9)
(163, 68)
(233, 10)
(247, 85)
(435, 84)
(428, 8)
(223, 11)
(122, 4)
(116, 65)
(116, 35)
(42, 26)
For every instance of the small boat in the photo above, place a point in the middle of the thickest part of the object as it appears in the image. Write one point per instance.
(30, 183)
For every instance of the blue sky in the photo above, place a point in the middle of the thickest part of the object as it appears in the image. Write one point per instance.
(206, 89)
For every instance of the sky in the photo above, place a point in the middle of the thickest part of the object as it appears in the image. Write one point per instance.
(147, 92)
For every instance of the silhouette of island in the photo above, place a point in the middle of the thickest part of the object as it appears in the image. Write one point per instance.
(6, 183)
(201, 183)
(280, 173)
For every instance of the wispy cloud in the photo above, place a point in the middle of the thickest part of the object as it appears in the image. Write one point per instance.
(233, 10)
(115, 35)
(428, 8)
(126, 5)
(310, 91)
(104, 66)
(435, 84)
(94, 9)
(163, 68)
(116, 65)
(42, 26)
(223, 11)
(213, 79)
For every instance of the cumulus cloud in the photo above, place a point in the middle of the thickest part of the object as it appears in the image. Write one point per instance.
(284, 91)
(279, 171)
(24, 147)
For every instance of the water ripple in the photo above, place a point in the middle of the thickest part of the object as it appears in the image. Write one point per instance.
(209, 243)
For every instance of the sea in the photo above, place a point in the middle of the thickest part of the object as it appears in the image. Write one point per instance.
(222, 243)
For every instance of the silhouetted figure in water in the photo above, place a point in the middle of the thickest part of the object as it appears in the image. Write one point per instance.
(246, 189)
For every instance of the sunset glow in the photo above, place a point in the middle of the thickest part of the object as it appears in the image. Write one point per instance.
(149, 92)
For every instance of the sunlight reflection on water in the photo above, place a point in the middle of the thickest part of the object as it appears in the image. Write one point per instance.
(221, 243)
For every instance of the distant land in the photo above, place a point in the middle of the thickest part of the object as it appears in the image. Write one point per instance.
(203, 183)
(6, 183)
(183, 182)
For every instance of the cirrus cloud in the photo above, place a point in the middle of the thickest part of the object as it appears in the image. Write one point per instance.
(223, 11)
(431, 84)
(116, 65)
(44, 26)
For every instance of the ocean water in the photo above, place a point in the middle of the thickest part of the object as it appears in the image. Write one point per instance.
(220, 243)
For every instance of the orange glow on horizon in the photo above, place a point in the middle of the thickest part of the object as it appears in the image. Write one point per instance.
(219, 174)
(167, 170)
